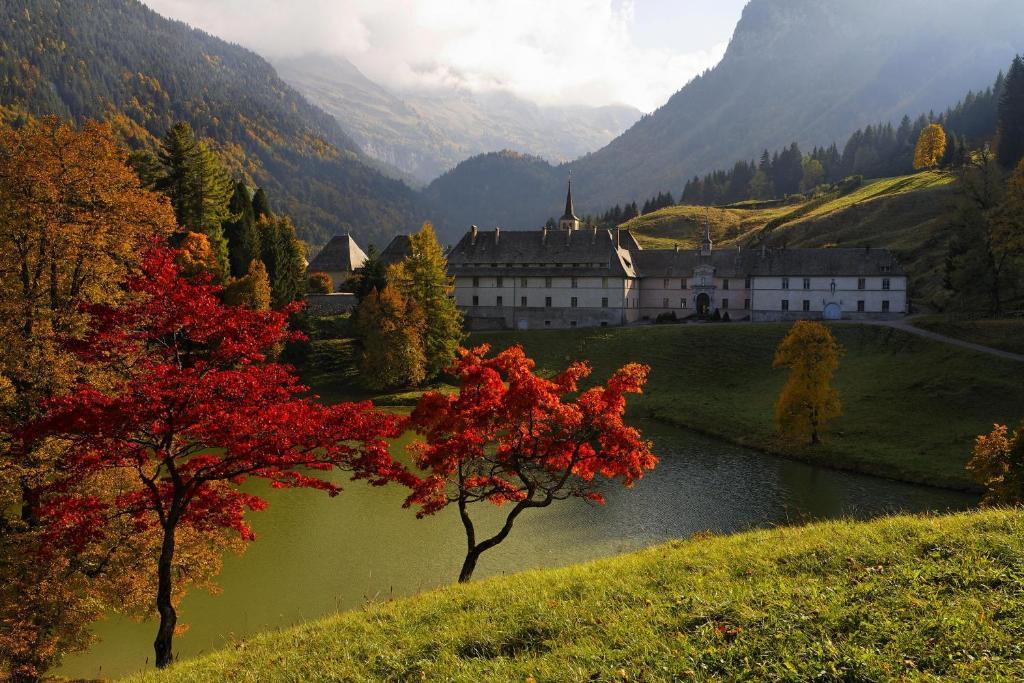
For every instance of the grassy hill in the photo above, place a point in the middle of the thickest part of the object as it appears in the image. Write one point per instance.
(915, 598)
(908, 214)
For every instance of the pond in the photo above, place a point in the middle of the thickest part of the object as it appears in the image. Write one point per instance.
(315, 555)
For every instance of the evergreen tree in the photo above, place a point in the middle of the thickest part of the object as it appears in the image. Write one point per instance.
(285, 260)
(372, 275)
(1010, 138)
(423, 277)
(240, 231)
(199, 187)
(261, 205)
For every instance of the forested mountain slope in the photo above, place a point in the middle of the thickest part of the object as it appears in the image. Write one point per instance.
(427, 133)
(810, 71)
(120, 61)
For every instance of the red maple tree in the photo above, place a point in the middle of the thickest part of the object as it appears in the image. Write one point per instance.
(510, 436)
(197, 410)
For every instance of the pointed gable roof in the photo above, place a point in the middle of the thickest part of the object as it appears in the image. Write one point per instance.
(341, 254)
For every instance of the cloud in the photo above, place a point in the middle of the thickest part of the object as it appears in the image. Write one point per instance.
(548, 51)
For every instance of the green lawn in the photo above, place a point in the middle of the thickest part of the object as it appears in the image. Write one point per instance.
(909, 598)
(911, 407)
(1007, 334)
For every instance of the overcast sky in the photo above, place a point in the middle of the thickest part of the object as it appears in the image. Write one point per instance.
(637, 52)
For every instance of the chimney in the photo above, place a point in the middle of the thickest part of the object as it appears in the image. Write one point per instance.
(593, 238)
(473, 231)
(764, 250)
(568, 237)
(544, 236)
(677, 247)
(497, 235)
(618, 234)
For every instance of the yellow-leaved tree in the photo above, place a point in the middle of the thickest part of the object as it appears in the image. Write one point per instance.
(931, 145)
(808, 402)
(998, 464)
(392, 329)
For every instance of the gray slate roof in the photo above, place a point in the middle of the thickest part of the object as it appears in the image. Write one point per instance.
(788, 262)
(340, 254)
(545, 252)
(397, 249)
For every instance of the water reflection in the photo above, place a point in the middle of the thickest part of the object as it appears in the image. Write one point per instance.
(315, 555)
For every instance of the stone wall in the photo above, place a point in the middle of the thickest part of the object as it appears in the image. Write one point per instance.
(330, 304)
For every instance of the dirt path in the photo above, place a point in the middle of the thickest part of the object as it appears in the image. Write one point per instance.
(905, 325)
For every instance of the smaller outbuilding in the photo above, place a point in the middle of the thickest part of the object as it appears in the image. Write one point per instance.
(339, 259)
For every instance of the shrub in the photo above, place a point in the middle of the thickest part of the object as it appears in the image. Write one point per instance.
(320, 283)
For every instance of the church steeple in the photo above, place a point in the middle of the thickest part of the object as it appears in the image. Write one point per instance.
(569, 220)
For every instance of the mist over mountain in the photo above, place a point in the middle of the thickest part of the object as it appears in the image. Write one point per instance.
(425, 133)
(119, 61)
(809, 71)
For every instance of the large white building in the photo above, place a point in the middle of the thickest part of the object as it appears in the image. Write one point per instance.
(572, 277)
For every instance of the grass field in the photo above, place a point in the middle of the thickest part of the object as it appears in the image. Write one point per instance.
(908, 214)
(1007, 334)
(908, 598)
(911, 407)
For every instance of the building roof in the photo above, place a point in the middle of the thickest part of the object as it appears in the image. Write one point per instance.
(341, 254)
(570, 212)
(397, 250)
(778, 262)
(545, 252)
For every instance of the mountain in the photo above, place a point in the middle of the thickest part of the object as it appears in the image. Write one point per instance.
(809, 71)
(118, 60)
(426, 133)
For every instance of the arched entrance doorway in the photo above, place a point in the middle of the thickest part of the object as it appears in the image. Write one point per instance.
(703, 304)
(832, 312)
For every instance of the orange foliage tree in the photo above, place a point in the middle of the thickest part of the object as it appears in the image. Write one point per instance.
(931, 145)
(73, 222)
(998, 464)
(808, 402)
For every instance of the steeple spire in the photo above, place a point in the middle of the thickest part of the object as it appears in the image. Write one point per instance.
(569, 220)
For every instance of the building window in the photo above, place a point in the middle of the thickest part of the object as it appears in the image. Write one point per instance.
(860, 306)
(861, 283)
(604, 302)
(725, 283)
(682, 283)
(725, 304)
(807, 283)
(746, 304)
(522, 301)
(885, 283)
(498, 302)
(807, 305)
(547, 302)
(885, 306)
(476, 282)
(547, 323)
(664, 283)
(574, 302)
(682, 303)
(501, 281)
(523, 282)
(746, 283)
(476, 300)
(785, 304)
(664, 302)
(572, 323)
(574, 283)
(785, 284)
(703, 281)
(547, 282)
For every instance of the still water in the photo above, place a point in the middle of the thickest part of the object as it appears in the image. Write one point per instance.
(315, 555)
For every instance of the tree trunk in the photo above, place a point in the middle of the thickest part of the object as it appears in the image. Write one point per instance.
(468, 565)
(164, 606)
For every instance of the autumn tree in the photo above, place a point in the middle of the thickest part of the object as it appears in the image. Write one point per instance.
(997, 463)
(931, 145)
(1010, 135)
(252, 290)
(196, 410)
(510, 437)
(391, 329)
(241, 232)
(195, 255)
(199, 187)
(423, 277)
(73, 221)
(319, 283)
(808, 402)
